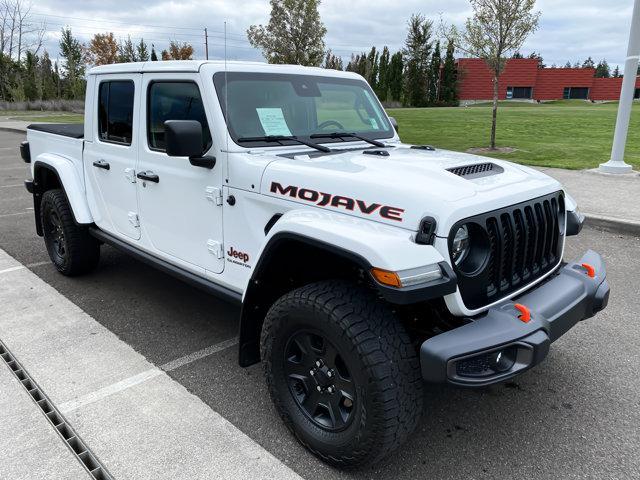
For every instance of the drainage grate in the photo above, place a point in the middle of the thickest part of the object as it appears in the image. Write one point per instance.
(70, 437)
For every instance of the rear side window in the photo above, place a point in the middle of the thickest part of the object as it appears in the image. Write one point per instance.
(115, 111)
(174, 101)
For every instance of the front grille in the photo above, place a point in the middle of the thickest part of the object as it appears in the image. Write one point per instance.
(476, 171)
(521, 243)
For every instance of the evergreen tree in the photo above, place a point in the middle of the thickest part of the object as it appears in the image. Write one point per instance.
(416, 53)
(154, 55)
(71, 51)
(126, 51)
(448, 80)
(383, 75)
(332, 61)
(47, 78)
(142, 52)
(517, 54)
(538, 57)
(567, 65)
(588, 63)
(602, 69)
(29, 79)
(616, 72)
(395, 77)
(434, 76)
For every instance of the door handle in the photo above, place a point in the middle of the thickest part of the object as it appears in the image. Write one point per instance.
(101, 164)
(148, 176)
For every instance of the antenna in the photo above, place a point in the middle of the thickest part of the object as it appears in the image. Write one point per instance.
(226, 96)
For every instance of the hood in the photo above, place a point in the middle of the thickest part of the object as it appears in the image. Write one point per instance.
(404, 186)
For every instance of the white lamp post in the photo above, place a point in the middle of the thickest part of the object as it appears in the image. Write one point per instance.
(617, 163)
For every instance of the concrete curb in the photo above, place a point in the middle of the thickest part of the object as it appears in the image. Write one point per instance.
(617, 225)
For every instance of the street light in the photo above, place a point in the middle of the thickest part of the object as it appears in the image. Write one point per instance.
(617, 163)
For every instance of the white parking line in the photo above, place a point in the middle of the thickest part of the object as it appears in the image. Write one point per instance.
(12, 186)
(144, 376)
(13, 214)
(21, 267)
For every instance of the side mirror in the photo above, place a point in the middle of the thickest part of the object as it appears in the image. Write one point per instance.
(394, 123)
(183, 138)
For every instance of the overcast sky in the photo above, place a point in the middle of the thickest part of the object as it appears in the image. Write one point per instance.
(569, 29)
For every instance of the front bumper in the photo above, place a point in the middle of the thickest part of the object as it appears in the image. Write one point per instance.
(499, 345)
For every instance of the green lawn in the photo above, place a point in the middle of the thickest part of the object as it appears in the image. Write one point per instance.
(41, 116)
(567, 134)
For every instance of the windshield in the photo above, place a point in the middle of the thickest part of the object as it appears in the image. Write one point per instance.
(268, 105)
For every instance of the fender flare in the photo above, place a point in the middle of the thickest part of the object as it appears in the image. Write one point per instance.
(362, 242)
(72, 185)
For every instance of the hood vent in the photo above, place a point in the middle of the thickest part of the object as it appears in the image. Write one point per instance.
(477, 171)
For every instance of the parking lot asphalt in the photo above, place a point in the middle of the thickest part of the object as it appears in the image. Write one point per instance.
(576, 415)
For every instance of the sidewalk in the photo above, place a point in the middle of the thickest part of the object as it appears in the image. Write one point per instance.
(608, 201)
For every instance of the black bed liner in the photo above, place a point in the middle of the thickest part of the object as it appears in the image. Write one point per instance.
(73, 130)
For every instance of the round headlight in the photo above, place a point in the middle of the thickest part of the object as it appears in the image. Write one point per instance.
(461, 245)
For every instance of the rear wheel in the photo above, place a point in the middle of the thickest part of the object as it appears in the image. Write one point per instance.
(71, 248)
(342, 372)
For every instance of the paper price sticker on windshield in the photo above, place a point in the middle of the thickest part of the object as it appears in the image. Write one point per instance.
(273, 122)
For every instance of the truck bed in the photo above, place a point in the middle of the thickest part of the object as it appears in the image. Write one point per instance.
(73, 130)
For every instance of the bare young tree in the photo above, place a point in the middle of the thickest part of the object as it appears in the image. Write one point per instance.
(497, 29)
(18, 31)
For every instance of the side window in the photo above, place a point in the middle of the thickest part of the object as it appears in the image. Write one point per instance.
(115, 111)
(174, 101)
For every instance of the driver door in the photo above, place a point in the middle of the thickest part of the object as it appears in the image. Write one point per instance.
(181, 212)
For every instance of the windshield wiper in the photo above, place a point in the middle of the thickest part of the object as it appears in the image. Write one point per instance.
(347, 134)
(281, 138)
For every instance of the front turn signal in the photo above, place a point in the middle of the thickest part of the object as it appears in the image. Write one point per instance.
(525, 313)
(385, 277)
(590, 270)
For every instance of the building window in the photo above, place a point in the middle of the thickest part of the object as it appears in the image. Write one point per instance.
(575, 93)
(637, 94)
(519, 92)
(115, 111)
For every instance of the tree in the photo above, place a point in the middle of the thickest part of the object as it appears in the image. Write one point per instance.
(178, 51)
(602, 69)
(154, 55)
(416, 54)
(537, 56)
(588, 63)
(567, 65)
(449, 77)
(517, 54)
(332, 62)
(434, 76)
(71, 50)
(497, 29)
(103, 49)
(126, 51)
(294, 34)
(30, 81)
(395, 77)
(142, 52)
(383, 74)
(616, 72)
(47, 78)
(371, 69)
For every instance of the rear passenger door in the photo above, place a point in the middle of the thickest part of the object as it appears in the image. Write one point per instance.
(181, 210)
(111, 155)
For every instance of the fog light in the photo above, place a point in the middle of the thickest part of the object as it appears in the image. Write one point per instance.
(503, 360)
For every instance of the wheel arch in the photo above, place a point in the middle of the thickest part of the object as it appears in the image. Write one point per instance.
(53, 171)
(273, 276)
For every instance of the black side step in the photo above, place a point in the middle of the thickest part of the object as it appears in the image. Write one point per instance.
(166, 267)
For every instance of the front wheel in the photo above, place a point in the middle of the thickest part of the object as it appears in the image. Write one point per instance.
(342, 372)
(71, 248)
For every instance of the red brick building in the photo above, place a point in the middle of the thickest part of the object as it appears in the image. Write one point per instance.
(522, 79)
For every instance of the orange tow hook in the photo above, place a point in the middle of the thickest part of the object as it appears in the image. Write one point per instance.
(525, 312)
(590, 270)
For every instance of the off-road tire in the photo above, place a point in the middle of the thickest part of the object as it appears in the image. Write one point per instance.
(81, 250)
(379, 354)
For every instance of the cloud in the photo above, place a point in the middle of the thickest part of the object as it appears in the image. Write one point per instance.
(569, 29)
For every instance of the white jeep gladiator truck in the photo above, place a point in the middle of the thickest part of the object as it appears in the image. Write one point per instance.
(364, 267)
